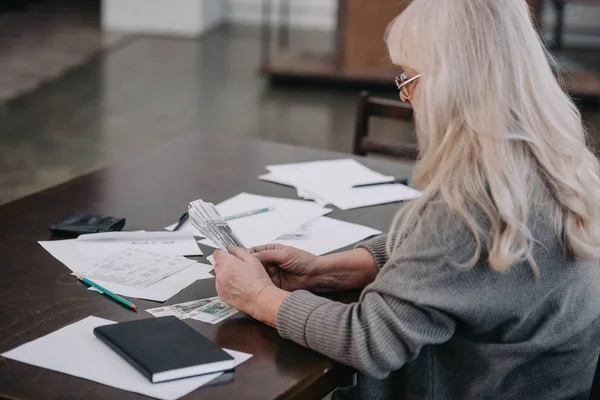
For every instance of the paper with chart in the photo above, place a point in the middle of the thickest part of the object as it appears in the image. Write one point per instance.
(167, 243)
(66, 252)
(331, 182)
(134, 268)
(90, 359)
(285, 216)
(211, 310)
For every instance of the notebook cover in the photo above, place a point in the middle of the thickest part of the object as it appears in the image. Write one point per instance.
(156, 345)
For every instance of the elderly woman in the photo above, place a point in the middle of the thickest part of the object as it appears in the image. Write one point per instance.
(488, 286)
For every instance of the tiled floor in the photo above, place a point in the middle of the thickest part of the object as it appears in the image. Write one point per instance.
(153, 90)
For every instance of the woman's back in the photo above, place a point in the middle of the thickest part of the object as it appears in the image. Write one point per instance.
(517, 334)
(507, 241)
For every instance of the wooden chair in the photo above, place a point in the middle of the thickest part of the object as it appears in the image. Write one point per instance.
(559, 7)
(368, 107)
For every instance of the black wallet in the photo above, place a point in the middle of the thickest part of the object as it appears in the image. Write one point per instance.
(74, 225)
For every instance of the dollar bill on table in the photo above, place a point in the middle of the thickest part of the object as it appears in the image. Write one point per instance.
(207, 220)
(213, 312)
(181, 310)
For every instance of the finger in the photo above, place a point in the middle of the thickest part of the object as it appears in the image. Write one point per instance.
(219, 255)
(271, 270)
(271, 256)
(240, 253)
(272, 246)
(221, 258)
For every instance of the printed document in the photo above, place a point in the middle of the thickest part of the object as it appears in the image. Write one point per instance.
(134, 268)
(168, 243)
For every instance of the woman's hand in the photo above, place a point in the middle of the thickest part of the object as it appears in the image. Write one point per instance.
(243, 283)
(294, 269)
(289, 268)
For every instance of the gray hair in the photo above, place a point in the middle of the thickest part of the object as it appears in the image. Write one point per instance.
(495, 128)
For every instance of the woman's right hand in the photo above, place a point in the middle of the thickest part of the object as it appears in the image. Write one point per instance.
(289, 268)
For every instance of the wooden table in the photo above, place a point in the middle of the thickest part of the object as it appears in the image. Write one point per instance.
(38, 295)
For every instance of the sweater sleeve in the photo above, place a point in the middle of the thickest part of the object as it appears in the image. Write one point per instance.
(377, 247)
(406, 308)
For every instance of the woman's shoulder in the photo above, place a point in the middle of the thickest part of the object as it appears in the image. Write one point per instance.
(438, 224)
(461, 229)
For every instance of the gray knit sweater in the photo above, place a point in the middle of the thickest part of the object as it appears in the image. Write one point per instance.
(461, 333)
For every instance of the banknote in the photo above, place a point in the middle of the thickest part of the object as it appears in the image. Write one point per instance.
(207, 220)
(211, 310)
(214, 312)
(181, 310)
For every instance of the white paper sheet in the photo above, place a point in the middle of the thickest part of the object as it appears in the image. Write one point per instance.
(91, 359)
(343, 172)
(65, 251)
(325, 235)
(347, 199)
(302, 193)
(168, 287)
(331, 181)
(134, 268)
(168, 243)
(185, 227)
(287, 215)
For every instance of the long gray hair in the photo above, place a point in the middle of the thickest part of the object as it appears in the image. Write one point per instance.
(494, 126)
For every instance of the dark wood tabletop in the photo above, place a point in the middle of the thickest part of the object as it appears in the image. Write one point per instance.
(38, 295)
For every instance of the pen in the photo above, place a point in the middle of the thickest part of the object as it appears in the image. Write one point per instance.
(395, 181)
(248, 213)
(182, 219)
(108, 293)
(186, 215)
(295, 234)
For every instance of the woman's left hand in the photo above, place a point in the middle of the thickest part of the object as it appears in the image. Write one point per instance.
(240, 279)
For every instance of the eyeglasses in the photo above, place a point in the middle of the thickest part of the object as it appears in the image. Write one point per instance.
(402, 82)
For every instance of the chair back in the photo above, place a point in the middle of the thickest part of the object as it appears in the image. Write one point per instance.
(595, 393)
(369, 107)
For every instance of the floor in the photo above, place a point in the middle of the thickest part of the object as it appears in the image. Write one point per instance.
(152, 90)
(42, 40)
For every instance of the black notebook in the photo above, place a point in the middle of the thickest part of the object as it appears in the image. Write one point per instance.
(164, 348)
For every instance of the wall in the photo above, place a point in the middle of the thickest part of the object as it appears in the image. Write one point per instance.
(313, 14)
(581, 24)
(577, 15)
(214, 12)
(162, 17)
